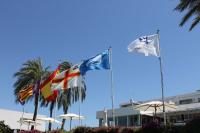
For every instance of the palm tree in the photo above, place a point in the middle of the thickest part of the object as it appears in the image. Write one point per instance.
(63, 66)
(31, 73)
(193, 9)
(45, 103)
(70, 96)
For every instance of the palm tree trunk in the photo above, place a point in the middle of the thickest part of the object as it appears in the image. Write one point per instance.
(63, 124)
(36, 103)
(51, 115)
(63, 121)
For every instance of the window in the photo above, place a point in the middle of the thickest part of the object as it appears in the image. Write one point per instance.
(199, 100)
(185, 101)
(122, 121)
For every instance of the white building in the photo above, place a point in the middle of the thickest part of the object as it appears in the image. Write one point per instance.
(187, 107)
(12, 119)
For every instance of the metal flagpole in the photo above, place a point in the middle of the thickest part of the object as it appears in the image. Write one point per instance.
(21, 119)
(161, 75)
(55, 112)
(112, 89)
(79, 106)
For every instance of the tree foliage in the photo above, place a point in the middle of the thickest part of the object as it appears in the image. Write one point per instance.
(31, 73)
(4, 128)
(192, 8)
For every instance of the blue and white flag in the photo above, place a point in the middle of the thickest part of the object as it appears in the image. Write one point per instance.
(147, 45)
(98, 62)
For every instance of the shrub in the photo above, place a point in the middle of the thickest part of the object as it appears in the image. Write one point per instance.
(151, 127)
(4, 128)
(83, 130)
(127, 130)
(31, 131)
(101, 130)
(193, 126)
(114, 130)
(175, 129)
(106, 130)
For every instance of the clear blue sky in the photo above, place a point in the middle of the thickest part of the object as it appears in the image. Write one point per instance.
(78, 29)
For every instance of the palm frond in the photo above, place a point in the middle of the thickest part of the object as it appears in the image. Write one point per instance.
(188, 15)
(193, 9)
(195, 22)
(29, 74)
(184, 4)
(65, 65)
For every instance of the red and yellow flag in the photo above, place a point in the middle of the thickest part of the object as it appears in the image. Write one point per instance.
(45, 87)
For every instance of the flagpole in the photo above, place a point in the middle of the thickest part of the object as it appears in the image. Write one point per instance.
(55, 112)
(79, 109)
(21, 119)
(112, 89)
(162, 84)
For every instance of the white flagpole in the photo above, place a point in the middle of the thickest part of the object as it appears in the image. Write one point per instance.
(55, 112)
(112, 89)
(161, 75)
(21, 119)
(79, 109)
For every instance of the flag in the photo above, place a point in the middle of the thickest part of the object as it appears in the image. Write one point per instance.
(98, 62)
(25, 94)
(53, 96)
(45, 86)
(68, 79)
(147, 45)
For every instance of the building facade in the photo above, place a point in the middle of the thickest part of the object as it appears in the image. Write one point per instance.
(187, 107)
(13, 120)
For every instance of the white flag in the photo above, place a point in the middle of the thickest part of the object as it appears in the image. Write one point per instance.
(70, 78)
(147, 45)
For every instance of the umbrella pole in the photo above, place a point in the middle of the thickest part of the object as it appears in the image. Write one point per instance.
(70, 123)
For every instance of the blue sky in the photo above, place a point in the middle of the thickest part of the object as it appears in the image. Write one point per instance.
(76, 30)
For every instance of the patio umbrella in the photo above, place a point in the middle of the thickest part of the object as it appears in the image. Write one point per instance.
(48, 119)
(155, 105)
(28, 122)
(71, 116)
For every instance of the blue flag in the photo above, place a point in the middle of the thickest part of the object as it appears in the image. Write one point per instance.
(98, 62)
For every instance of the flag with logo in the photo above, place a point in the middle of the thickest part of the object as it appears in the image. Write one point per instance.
(98, 62)
(24, 94)
(45, 86)
(68, 79)
(147, 45)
